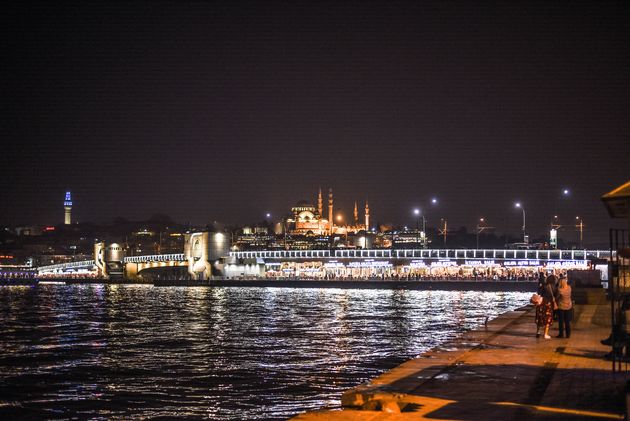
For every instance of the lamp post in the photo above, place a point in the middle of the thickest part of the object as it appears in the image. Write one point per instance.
(579, 224)
(518, 205)
(479, 229)
(481, 226)
(417, 213)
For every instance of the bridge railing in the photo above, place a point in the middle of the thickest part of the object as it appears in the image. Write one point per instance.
(427, 254)
(178, 257)
(69, 265)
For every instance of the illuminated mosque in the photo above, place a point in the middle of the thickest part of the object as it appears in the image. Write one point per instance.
(308, 220)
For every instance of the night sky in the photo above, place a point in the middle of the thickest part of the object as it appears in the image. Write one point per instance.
(226, 111)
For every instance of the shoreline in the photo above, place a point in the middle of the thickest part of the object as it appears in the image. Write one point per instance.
(494, 286)
(499, 371)
(440, 285)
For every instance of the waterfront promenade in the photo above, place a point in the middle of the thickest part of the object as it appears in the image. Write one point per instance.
(500, 372)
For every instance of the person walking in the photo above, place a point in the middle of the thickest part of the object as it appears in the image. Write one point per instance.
(565, 308)
(544, 312)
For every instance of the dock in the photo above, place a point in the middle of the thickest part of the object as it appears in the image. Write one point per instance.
(500, 372)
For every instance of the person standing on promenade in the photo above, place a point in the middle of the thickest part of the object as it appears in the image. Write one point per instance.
(544, 312)
(565, 306)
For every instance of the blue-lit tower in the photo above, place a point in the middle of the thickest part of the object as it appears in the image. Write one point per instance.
(67, 205)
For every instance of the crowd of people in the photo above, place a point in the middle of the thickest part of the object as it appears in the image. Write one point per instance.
(511, 276)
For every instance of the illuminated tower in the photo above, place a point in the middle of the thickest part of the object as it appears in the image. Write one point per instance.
(320, 204)
(67, 205)
(330, 210)
(356, 213)
(367, 216)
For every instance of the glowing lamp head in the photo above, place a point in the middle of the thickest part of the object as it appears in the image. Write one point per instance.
(517, 205)
(434, 200)
(268, 215)
(565, 192)
(416, 211)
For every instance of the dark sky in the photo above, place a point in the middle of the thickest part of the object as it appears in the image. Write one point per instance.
(223, 112)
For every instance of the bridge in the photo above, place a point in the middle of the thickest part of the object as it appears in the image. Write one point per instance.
(109, 261)
(255, 262)
(140, 262)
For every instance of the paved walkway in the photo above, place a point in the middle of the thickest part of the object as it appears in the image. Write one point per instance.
(499, 372)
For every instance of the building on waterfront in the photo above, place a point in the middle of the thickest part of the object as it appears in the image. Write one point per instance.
(306, 219)
(67, 206)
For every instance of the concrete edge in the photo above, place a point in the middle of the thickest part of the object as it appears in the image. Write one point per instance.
(431, 363)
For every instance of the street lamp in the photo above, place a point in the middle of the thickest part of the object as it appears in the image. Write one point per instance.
(518, 205)
(554, 222)
(417, 213)
(424, 226)
(579, 224)
(480, 228)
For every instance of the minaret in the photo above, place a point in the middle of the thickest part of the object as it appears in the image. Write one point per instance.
(367, 216)
(356, 214)
(320, 204)
(67, 205)
(330, 210)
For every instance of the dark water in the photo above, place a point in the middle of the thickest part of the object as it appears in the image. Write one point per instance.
(222, 353)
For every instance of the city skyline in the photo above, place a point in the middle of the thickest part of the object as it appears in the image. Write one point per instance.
(567, 227)
(226, 113)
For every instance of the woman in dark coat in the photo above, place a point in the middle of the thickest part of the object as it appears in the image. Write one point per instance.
(544, 312)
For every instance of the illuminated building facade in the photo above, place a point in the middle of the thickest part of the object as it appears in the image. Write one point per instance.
(308, 220)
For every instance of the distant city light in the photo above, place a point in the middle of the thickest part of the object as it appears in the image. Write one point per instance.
(434, 200)
(565, 192)
(268, 215)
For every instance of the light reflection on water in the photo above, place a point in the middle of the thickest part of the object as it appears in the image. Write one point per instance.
(219, 353)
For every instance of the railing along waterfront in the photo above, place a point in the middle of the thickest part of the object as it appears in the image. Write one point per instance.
(485, 254)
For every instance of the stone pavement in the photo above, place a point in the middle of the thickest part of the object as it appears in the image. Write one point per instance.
(500, 372)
